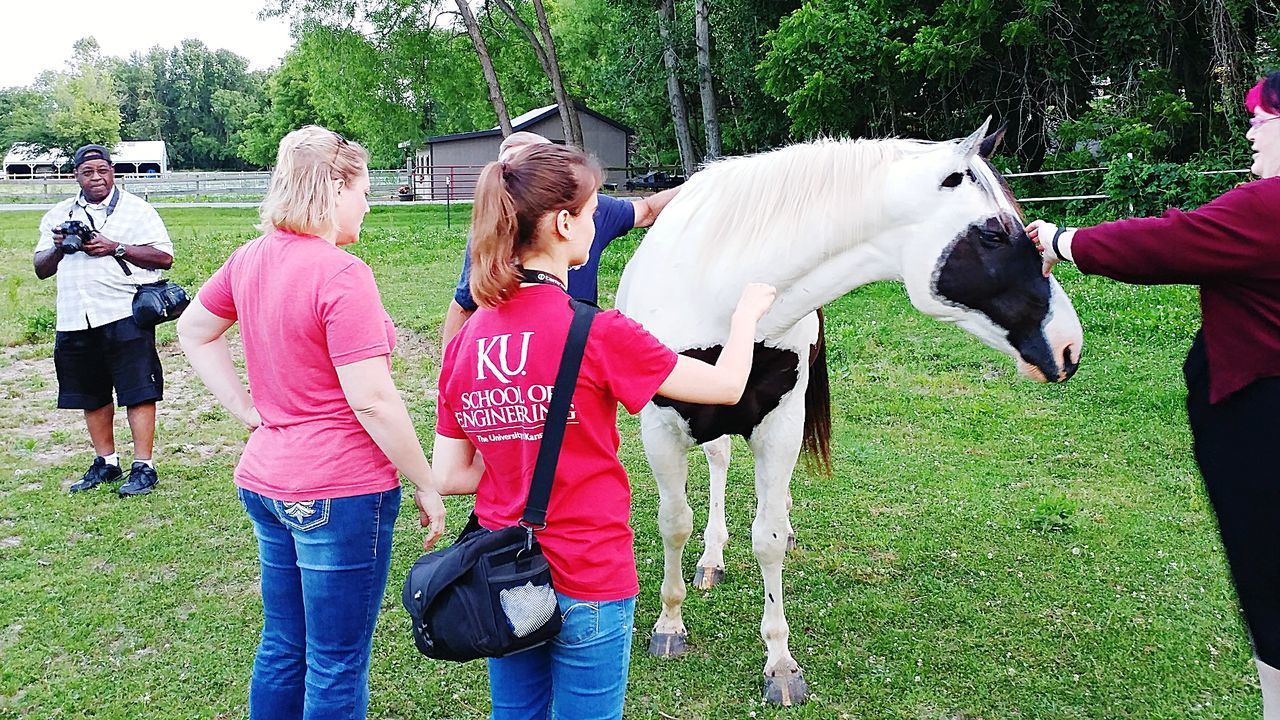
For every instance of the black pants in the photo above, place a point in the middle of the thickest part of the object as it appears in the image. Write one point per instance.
(1237, 446)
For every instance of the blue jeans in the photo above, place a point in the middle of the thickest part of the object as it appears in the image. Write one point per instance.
(324, 572)
(581, 675)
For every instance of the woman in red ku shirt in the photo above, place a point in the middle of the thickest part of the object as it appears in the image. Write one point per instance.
(1230, 247)
(533, 212)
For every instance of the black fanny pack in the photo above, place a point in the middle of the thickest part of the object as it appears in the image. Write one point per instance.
(157, 302)
(489, 594)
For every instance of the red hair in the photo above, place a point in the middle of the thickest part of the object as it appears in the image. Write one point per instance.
(1265, 95)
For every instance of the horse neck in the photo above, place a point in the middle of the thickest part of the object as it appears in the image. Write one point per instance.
(817, 280)
(840, 235)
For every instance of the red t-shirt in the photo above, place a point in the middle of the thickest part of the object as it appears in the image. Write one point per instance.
(304, 307)
(495, 388)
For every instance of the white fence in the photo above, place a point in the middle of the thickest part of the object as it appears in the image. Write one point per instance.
(456, 183)
(1047, 173)
(383, 183)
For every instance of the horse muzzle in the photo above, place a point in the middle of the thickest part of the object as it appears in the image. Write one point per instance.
(1055, 369)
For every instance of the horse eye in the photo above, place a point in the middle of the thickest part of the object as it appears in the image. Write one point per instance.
(953, 180)
(992, 239)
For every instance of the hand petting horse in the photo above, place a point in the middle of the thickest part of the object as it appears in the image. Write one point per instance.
(817, 220)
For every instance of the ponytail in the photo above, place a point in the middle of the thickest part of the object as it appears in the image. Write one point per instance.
(494, 226)
(512, 198)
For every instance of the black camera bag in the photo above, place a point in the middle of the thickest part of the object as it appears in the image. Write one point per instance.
(489, 594)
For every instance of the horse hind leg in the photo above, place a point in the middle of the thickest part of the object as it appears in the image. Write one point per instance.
(791, 531)
(776, 444)
(710, 570)
(668, 454)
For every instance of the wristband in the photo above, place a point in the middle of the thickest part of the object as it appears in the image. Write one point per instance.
(1054, 243)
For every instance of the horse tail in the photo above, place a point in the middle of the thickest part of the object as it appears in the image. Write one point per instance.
(817, 406)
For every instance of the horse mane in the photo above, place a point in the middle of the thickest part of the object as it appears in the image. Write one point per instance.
(990, 179)
(745, 204)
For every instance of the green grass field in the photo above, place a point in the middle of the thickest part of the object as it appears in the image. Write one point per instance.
(987, 548)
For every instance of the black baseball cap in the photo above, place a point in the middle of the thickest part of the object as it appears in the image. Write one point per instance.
(90, 152)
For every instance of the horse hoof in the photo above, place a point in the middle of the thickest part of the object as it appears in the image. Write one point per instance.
(791, 541)
(786, 690)
(707, 578)
(668, 644)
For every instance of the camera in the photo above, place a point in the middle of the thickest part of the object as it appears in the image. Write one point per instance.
(75, 235)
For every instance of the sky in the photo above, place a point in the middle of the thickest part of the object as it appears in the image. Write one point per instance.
(39, 34)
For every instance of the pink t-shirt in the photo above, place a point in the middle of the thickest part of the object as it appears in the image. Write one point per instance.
(495, 388)
(304, 308)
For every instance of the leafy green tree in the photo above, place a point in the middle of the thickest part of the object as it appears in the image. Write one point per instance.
(935, 68)
(193, 98)
(85, 106)
(24, 118)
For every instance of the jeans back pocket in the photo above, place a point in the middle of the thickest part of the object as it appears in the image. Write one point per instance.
(303, 515)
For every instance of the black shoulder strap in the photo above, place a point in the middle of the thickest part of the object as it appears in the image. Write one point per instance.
(535, 509)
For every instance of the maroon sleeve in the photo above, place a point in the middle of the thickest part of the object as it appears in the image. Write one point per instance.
(632, 363)
(1226, 238)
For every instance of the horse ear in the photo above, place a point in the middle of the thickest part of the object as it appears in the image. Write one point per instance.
(988, 146)
(969, 146)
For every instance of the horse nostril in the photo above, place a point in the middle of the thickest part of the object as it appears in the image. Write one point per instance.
(1069, 366)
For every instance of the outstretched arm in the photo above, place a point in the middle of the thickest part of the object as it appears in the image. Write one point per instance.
(648, 209)
(696, 381)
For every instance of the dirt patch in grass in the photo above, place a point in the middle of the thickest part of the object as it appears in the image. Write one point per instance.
(191, 426)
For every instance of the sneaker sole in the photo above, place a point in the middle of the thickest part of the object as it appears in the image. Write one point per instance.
(73, 491)
(135, 494)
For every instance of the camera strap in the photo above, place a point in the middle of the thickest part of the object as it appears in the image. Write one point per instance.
(111, 207)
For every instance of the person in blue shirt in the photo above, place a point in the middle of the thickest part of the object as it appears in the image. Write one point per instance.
(613, 218)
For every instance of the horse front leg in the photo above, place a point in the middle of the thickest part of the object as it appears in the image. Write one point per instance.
(667, 449)
(710, 570)
(776, 445)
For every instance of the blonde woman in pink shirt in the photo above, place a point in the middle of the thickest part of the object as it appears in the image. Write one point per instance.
(319, 476)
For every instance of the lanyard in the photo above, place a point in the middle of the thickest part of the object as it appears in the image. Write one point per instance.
(540, 277)
(111, 207)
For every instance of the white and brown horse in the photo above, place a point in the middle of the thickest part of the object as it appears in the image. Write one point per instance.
(817, 220)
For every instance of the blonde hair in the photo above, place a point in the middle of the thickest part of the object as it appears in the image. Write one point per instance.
(518, 141)
(304, 187)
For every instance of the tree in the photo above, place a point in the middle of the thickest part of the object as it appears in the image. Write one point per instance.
(287, 108)
(544, 49)
(85, 106)
(24, 118)
(706, 86)
(935, 69)
(193, 98)
(486, 64)
(675, 95)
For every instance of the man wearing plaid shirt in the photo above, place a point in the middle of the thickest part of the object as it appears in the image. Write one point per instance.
(98, 345)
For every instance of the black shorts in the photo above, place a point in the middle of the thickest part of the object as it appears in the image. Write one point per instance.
(91, 362)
